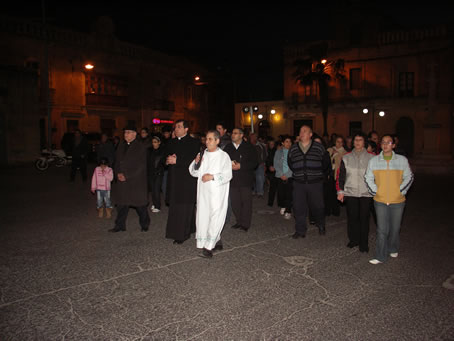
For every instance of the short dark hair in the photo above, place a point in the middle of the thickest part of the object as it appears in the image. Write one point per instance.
(222, 124)
(185, 123)
(240, 129)
(360, 134)
(216, 134)
(104, 161)
(285, 137)
(391, 136)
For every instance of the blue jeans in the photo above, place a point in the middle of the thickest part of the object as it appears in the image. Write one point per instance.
(103, 197)
(389, 218)
(259, 179)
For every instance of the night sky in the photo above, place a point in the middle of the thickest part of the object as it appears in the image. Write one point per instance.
(244, 41)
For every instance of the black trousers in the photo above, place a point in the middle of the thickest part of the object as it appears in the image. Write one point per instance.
(308, 196)
(155, 189)
(358, 215)
(273, 189)
(242, 205)
(123, 210)
(82, 165)
(284, 194)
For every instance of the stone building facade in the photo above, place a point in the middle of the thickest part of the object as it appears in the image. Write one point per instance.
(127, 83)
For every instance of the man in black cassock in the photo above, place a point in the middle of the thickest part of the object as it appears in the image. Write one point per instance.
(131, 171)
(180, 152)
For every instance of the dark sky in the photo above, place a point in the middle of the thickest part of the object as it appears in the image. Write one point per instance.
(240, 39)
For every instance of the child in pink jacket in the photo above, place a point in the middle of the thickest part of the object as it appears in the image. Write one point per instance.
(100, 182)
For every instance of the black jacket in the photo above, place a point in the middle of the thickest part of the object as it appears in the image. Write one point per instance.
(246, 155)
(156, 162)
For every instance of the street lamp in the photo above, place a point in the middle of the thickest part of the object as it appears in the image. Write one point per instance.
(251, 110)
(89, 66)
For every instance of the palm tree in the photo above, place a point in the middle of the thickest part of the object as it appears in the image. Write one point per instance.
(311, 70)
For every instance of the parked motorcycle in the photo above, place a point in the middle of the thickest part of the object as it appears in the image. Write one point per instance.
(56, 156)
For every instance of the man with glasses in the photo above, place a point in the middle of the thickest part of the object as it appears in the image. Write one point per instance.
(388, 177)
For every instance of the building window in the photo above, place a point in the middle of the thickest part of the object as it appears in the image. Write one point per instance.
(406, 84)
(105, 85)
(355, 79)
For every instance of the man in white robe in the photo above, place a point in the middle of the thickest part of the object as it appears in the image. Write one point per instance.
(214, 173)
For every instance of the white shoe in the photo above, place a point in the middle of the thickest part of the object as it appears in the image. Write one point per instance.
(282, 211)
(152, 208)
(155, 210)
(394, 254)
(287, 215)
(374, 261)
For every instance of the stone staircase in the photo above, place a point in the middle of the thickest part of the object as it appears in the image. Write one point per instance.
(438, 164)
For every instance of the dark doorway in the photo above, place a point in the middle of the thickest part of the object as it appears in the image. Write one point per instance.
(72, 125)
(355, 127)
(297, 124)
(405, 130)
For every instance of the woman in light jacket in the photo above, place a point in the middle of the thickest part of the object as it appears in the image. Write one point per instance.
(352, 189)
(284, 177)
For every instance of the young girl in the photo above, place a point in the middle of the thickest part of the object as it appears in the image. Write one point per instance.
(100, 182)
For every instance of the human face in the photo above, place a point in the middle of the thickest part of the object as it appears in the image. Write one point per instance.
(348, 141)
(358, 143)
(305, 134)
(287, 143)
(387, 145)
(339, 143)
(318, 140)
(271, 144)
(221, 130)
(237, 136)
(155, 143)
(143, 134)
(167, 134)
(211, 142)
(104, 138)
(374, 137)
(180, 130)
(130, 135)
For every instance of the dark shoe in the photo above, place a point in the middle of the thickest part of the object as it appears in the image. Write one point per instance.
(351, 245)
(117, 229)
(218, 247)
(236, 226)
(245, 229)
(312, 222)
(206, 253)
(297, 235)
(321, 231)
(144, 229)
(179, 242)
(364, 249)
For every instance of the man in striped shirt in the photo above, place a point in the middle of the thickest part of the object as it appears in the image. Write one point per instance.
(309, 163)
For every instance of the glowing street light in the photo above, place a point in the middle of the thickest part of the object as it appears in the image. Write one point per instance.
(381, 113)
(260, 116)
(196, 78)
(89, 66)
(365, 111)
(273, 111)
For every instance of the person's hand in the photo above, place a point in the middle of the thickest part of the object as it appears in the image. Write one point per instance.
(171, 159)
(236, 165)
(92, 191)
(340, 197)
(121, 177)
(197, 158)
(283, 177)
(272, 169)
(207, 177)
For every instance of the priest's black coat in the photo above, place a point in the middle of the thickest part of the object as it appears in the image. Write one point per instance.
(131, 160)
(182, 187)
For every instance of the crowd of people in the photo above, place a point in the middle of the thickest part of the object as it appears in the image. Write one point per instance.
(206, 179)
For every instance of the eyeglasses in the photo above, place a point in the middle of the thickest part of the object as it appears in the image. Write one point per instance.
(387, 143)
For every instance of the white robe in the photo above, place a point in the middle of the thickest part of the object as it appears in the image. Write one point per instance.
(212, 197)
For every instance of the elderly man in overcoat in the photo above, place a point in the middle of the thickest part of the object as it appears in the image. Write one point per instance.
(131, 171)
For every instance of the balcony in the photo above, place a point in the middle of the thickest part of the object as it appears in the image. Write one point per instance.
(106, 100)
